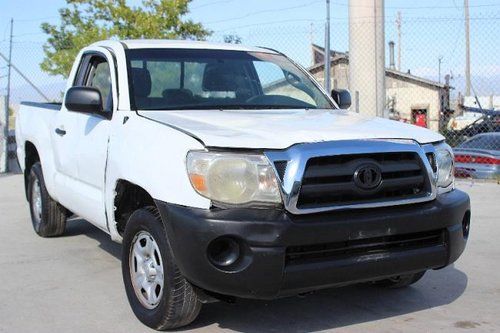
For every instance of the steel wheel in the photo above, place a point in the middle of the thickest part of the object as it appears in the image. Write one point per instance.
(158, 294)
(36, 204)
(146, 270)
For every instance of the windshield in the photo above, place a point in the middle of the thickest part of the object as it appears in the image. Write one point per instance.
(185, 79)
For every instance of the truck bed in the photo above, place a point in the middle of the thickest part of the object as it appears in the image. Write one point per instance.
(50, 106)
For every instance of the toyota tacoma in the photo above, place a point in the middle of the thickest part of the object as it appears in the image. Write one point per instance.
(227, 172)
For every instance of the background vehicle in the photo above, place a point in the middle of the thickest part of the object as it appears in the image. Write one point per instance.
(479, 157)
(226, 171)
(460, 122)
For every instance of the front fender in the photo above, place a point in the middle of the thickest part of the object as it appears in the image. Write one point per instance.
(152, 156)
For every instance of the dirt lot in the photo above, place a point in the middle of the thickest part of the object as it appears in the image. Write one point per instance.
(73, 284)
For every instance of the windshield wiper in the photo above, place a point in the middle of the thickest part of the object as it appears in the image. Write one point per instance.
(227, 107)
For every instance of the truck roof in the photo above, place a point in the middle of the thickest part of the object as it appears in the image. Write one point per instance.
(184, 44)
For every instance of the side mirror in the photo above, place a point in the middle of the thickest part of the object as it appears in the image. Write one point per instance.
(342, 97)
(83, 99)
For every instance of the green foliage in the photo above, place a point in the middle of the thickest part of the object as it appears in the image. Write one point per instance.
(86, 21)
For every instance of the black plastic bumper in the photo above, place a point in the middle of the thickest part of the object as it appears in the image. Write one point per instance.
(268, 270)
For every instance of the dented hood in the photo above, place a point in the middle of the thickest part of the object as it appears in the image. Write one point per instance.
(279, 129)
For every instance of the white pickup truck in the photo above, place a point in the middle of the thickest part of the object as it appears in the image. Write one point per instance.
(227, 172)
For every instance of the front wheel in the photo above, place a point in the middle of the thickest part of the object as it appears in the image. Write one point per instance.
(159, 295)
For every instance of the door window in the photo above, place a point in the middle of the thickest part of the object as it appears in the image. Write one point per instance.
(100, 78)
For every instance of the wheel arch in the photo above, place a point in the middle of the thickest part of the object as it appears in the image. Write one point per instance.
(31, 156)
(128, 198)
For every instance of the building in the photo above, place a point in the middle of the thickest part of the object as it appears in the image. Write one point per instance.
(409, 98)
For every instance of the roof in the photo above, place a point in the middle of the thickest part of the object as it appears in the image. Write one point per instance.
(414, 78)
(333, 53)
(334, 60)
(344, 56)
(185, 44)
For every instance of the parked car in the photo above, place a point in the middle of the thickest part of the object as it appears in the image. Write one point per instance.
(485, 124)
(460, 122)
(479, 157)
(227, 172)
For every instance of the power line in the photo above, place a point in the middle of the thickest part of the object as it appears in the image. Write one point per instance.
(425, 19)
(212, 4)
(418, 7)
(494, 17)
(37, 19)
(413, 19)
(30, 34)
(267, 23)
(265, 11)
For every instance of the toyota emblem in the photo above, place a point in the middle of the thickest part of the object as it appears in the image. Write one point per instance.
(368, 176)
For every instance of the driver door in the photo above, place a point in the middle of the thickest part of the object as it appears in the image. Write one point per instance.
(92, 138)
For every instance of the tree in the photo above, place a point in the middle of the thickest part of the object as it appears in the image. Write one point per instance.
(86, 21)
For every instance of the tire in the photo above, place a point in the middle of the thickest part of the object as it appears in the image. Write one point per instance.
(146, 250)
(47, 216)
(400, 281)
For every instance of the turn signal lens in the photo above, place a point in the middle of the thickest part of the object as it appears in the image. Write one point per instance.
(198, 182)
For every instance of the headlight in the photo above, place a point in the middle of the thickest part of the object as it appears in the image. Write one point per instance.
(233, 178)
(444, 162)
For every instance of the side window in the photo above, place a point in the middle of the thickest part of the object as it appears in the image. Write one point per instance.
(100, 77)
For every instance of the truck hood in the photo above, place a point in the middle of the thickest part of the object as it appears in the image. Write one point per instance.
(279, 129)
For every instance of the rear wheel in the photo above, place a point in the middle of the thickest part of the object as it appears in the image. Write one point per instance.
(47, 216)
(159, 295)
(400, 281)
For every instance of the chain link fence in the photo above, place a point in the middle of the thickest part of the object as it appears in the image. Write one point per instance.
(426, 83)
(425, 75)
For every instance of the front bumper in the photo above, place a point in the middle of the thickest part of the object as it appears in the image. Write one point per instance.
(287, 254)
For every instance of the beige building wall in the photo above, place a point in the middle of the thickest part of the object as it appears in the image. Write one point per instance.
(410, 96)
(339, 76)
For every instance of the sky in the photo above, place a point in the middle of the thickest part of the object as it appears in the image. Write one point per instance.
(430, 30)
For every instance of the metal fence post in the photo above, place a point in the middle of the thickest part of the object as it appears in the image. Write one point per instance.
(4, 114)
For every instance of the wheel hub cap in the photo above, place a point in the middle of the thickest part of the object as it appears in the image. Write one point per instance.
(146, 270)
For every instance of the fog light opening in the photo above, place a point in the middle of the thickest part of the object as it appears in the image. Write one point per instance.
(466, 224)
(224, 252)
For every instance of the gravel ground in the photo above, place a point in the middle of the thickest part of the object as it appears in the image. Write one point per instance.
(73, 283)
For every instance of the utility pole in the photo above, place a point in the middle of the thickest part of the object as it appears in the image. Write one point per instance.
(327, 49)
(367, 56)
(399, 21)
(440, 60)
(7, 100)
(467, 49)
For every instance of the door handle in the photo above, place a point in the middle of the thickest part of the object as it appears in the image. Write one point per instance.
(60, 132)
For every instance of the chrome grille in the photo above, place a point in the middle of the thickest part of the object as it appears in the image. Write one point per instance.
(318, 177)
(329, 180)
